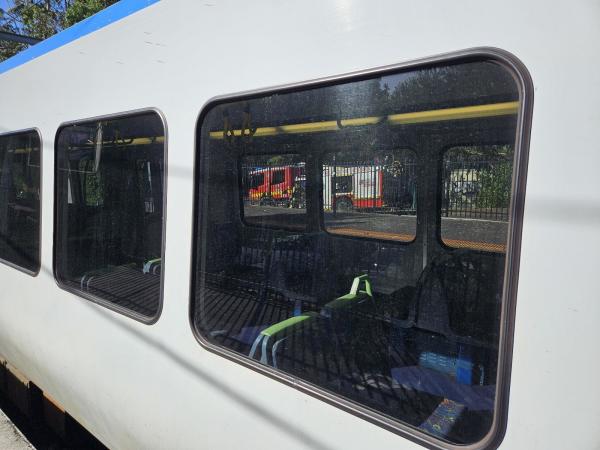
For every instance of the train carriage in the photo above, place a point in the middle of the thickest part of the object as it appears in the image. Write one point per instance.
(353, 230)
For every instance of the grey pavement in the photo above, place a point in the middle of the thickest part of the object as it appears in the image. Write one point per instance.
(477, 230)
(10, 436)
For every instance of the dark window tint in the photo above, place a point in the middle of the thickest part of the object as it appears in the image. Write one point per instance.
(109, 211)
(342, 184)
(20, 200)
(318, 250)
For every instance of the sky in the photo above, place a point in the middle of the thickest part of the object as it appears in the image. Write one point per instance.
(4, 4)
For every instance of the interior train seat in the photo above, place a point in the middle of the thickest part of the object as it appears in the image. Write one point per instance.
(324, 343)
(124, 285)
(446, 344)
(268, 274)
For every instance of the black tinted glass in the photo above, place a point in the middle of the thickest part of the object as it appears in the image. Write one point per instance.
(20, 200)
(318, 250)
(109, 211)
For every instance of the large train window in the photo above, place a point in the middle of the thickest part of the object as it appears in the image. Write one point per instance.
(370, 276)
(110, 182)
(20, 200)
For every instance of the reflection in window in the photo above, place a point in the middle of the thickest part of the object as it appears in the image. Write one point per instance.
(347, 286)
(20, 200)
(110, 180)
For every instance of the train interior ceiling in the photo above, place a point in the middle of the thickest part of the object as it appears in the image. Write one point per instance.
(384, 302)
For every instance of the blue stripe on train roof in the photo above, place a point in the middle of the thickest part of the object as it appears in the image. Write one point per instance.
(99, 20)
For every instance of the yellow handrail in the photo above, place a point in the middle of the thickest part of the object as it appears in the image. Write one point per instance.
(436, 115)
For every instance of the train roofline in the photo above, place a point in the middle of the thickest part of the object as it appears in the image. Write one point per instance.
(113, 13)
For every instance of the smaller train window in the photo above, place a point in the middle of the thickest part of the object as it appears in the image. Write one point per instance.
(273, 191)
(109, 211)
(371, 193)
(351, 239)
(20, 200)
(476, 184)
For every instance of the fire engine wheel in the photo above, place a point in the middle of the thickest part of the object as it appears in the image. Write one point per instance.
(344, 204)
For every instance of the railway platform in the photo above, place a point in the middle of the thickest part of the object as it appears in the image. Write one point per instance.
(11, 437)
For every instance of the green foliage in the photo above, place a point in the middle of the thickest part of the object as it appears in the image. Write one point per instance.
(79, 10)
(43, 18)
(8, 24)
(495, 185)
(8, 49)
(277, 160)
(40, 19)
(482, 175)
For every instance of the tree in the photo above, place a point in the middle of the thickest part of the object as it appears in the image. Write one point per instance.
(79, 10)
(495, 185)
(43, 18)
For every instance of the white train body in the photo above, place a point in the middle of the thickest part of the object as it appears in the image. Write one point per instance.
(135, 385)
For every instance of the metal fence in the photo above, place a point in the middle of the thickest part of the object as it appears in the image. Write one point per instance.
(476, 189)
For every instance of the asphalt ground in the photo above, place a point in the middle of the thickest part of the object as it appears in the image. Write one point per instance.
(10, 436)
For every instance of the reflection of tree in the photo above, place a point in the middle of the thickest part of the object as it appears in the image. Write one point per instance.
(453, 86)
(432, 88)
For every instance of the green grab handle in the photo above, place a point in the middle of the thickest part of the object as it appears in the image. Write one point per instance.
(356, 283)
(287, 323)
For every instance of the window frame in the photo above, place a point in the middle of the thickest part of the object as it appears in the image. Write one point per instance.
(524, 85)
(39, 252)
(86, 295)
